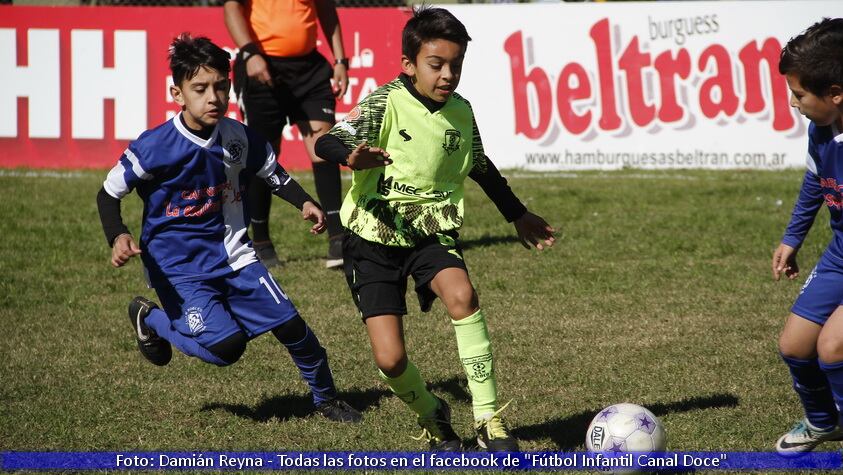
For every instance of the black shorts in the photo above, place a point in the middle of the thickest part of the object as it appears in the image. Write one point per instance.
(377, 274)
(301, 92)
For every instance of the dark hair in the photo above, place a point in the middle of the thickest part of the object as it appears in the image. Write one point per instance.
(188, 54)
(430, 24)
(816, 56)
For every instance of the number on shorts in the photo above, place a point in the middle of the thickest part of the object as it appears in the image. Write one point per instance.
(263, 281)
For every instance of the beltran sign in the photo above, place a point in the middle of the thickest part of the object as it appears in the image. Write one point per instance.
(651, 85)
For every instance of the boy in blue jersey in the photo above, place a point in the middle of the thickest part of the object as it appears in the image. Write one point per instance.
(412, 143)
(191, 173)
(811, 342)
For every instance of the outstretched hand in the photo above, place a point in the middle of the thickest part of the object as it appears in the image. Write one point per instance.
(784, 262)
(534, 230)
(364, 156)
(123, 249)
(314, 214)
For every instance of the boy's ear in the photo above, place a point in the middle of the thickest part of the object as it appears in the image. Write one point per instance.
(836, 93)
(407, 66)
(175, 91)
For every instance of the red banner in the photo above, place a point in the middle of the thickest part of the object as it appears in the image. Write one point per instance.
(81, 82)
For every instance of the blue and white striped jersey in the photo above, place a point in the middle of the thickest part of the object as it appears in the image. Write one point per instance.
(823, 184)
(195, 215)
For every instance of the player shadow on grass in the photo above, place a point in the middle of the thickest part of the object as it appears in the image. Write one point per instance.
(487, 241)
(568, 433)
(293, 406)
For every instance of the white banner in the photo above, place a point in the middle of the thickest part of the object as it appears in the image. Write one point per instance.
(629, 84)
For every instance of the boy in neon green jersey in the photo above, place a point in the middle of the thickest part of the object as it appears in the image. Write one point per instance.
(411, 144)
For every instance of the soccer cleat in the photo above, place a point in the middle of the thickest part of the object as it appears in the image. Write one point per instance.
(492, 434)
(338, 410)
(334, 259)
(803, 438)
(154, 348)
(266, 253)
(437, 430)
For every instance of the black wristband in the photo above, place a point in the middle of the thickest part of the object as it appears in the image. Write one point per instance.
(343, 61)
(248, 50)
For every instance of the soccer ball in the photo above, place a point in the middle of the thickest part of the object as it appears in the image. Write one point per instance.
(625, 427)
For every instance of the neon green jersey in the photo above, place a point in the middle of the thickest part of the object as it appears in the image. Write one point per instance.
(432, 152)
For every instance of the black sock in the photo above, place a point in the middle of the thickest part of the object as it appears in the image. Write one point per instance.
(260, 199)
(326, 176)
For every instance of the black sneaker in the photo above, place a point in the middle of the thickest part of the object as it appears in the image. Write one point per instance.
(338, 410)
(266, 253)
(334, 259)
(492, 434)
(437, 430)
(154, 348)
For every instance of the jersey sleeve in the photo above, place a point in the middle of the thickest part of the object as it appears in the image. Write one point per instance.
(478, 155)
(364, 122)
(808, 203)
(132, 169)
(491, 181)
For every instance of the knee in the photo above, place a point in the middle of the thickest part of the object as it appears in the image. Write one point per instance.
(292, 331)
(231, 349)
(461, 301)
(830, 347)
(791, 347)
(391, 363)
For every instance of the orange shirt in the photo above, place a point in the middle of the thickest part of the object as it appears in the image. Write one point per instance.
(284, 27)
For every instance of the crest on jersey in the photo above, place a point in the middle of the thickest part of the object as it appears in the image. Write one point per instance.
(233, 152)
(193, 317)
(354, 114)
(452, 141)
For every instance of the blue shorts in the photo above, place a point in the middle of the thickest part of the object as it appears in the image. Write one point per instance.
(822, 292)
(247, 300)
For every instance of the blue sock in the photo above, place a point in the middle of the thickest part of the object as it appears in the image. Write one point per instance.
(312, 361)
(160, 322)
(810, 383)
(834, 374)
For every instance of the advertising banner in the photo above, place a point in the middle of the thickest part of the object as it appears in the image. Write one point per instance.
(554, 86)
(79, 83)
(629, 84)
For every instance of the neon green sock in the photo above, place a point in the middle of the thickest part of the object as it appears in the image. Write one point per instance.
(476, 355)
(410, 388)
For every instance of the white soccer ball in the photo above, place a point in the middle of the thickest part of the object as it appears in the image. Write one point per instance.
(623, 428)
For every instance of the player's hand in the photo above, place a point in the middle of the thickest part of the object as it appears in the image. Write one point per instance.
(258, 70)
(314, 214)
(533, 229)
(123, 249)
(364, 157)
(784, 262)
(340, 80)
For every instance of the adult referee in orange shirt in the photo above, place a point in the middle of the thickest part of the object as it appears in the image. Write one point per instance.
(279, 77)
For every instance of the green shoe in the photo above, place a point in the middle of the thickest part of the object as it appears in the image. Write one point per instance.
(437, 430)
(492, 434)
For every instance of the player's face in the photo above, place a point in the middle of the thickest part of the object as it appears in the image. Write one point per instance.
(204, 98)
(436, 69)
(822, 110)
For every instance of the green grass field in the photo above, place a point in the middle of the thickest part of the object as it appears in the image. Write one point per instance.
(658, 292)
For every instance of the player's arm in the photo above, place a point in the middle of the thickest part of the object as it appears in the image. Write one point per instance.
(234, 15)
(326, 10)
(347, 143)
(805, 210)
(283, 186)
(531, 228)
(331, 148)
(120, 181)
